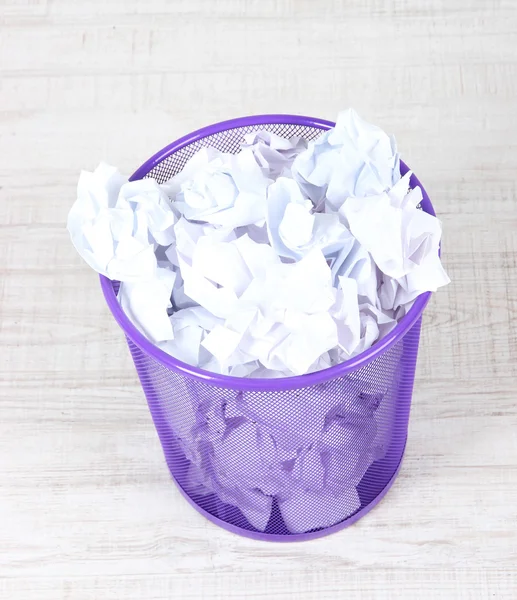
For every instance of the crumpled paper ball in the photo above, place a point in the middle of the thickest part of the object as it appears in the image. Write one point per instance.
(353, 159)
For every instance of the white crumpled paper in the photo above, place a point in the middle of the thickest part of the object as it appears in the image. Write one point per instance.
(303, 254)
(274, 154)
(228, 191)
(146, 304)
(354, 158)
(116, 224)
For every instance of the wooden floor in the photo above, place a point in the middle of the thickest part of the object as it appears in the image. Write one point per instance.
(87, 507)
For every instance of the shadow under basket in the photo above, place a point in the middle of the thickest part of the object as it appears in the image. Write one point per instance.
(278, 459)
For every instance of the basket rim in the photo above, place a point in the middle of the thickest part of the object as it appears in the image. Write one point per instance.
(259, 384)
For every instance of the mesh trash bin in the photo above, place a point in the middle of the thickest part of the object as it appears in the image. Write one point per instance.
(278, 459)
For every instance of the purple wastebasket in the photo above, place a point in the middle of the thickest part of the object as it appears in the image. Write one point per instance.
(278, 459)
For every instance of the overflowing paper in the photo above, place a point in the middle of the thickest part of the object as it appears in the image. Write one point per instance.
(116, 225)
(301, 254)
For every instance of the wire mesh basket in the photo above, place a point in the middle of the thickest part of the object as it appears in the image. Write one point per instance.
(278, 459)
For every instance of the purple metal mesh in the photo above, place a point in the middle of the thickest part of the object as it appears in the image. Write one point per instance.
(338, 436)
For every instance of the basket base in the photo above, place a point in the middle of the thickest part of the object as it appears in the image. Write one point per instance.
(300, 537)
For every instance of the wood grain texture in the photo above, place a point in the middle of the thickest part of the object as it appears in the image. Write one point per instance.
(87, 508)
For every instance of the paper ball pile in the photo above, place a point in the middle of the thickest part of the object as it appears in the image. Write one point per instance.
(285, 258)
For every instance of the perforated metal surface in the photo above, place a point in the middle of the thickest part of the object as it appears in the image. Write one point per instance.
(226, 141)
(266, 461)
